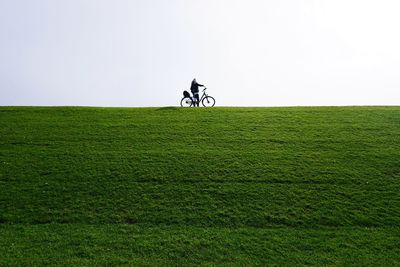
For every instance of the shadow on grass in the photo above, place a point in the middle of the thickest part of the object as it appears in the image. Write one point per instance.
(166, 108)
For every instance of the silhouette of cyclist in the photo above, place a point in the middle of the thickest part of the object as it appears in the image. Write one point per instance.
(194, 88)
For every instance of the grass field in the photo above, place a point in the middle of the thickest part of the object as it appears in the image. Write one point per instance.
(220, 186)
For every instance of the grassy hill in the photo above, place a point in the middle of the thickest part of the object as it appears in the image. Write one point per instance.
(172, 186)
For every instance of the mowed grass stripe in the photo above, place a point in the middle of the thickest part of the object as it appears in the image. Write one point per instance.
(88, 245)
(202, 204)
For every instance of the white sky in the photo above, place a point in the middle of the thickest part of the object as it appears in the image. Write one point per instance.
(248, 52)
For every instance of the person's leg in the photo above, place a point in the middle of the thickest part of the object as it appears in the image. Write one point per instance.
(197, 99)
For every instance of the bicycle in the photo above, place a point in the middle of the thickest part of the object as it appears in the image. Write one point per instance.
(206, 100)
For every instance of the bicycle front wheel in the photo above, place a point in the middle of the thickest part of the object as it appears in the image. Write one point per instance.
(186, 102)
(208, 101)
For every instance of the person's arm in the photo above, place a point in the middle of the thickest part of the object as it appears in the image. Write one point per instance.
(200, 85)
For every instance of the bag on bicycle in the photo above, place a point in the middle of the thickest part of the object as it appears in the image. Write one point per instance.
(186, 94)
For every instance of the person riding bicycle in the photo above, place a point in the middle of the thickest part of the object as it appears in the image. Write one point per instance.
(194, 88)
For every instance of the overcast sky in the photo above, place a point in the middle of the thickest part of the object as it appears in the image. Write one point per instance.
(247, 52)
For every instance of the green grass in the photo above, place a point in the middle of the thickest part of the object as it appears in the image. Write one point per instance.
(220, 186)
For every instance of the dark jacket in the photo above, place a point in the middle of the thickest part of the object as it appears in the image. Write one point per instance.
(194, 88)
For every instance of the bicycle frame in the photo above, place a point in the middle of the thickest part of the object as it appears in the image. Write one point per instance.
(203, 96)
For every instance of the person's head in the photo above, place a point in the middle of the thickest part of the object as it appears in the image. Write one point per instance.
(194, 80)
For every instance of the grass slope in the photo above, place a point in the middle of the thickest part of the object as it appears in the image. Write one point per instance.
(172, 186)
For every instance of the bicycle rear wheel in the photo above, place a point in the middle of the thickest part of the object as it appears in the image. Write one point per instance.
(208, 101)
(186, 102)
